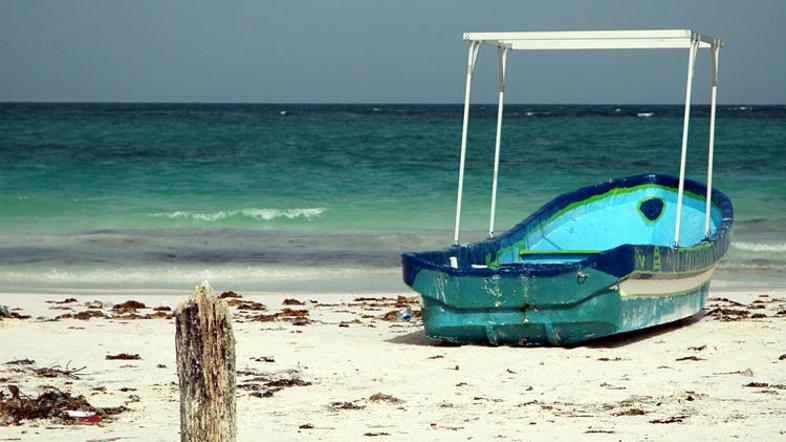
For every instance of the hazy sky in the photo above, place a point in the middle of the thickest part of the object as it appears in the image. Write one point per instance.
(373, 51)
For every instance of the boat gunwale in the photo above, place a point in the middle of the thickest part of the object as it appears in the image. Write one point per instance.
(603, 258)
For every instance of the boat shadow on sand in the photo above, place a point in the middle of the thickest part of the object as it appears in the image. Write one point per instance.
(613, 341)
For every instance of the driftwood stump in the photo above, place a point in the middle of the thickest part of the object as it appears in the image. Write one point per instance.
(205, 347)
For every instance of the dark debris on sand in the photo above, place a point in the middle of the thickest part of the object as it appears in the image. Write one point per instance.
(124, 357)
(725, 309)
(21, 362)
(55, 371)
(297, 317)
(155, 315)
(5, 312)
(402, 305)
(268, 389)
(50, 404)
(728, 314)
(84, 316)
(286, 383)
(262, 386)
(94, 304)
(399, 301)
(390, 316)
(65, 301)
(246, 305)
(126, 311)
(128, 305)
(670, 420)
(382, 397)
(52, 371)
(765, 385)
(345, 406)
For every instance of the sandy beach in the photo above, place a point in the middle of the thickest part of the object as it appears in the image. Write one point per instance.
(350, 366)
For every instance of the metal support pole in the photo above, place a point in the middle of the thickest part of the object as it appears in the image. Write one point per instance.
(691, 60)
(715, 51)
(502, 56)
(473, 55)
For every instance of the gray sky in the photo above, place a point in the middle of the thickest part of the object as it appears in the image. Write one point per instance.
(373, 51)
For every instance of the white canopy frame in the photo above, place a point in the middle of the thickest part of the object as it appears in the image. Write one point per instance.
(642, 39)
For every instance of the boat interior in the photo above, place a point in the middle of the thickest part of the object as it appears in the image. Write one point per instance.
(638, 215)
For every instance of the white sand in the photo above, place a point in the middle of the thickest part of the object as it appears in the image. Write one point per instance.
(448, 393)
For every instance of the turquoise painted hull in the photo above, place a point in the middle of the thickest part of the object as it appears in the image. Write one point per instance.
(558, 278)
(603, 313)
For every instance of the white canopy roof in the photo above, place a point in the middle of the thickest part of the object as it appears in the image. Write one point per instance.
(642, 39)
(664, 38)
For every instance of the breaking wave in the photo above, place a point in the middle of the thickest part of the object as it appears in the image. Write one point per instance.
(254, 213)
(766, 266)
(760, 247)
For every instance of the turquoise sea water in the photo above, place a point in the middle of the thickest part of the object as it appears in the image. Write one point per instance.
(326, 197)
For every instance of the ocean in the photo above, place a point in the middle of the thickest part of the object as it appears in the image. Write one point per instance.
(312, 197)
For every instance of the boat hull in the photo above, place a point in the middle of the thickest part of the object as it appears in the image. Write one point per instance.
(605, 312)
(563, 297)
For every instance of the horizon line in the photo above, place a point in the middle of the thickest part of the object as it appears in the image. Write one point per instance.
(370, 103)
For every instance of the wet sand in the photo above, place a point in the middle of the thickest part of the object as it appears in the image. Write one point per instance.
(348, 367)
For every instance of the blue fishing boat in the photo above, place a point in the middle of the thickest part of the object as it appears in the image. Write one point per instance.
(622, 255)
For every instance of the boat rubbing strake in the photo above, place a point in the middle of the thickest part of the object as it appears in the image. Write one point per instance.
(622, 255)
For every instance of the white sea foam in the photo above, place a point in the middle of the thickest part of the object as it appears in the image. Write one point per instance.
(766, 267)
(645, 114)
(263, 214)
(275, 278)
(760, 247)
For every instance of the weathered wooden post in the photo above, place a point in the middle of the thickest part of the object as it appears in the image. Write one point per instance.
(205, 347)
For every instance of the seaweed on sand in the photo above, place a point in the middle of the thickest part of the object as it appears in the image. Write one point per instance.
(50, 404)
